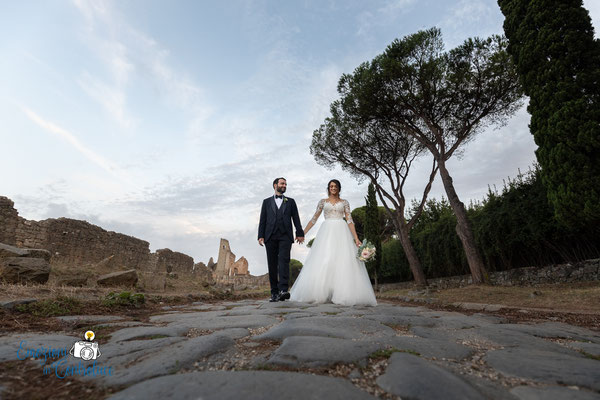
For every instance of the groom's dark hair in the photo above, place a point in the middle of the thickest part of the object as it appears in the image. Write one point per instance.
(276, 181)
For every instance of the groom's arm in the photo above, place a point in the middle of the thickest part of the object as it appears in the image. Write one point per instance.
(262, 221)
(296, 219)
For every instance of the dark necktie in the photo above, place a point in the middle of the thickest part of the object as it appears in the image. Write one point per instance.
(279, 197)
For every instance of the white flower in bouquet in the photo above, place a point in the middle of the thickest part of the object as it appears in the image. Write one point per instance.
(366, 251)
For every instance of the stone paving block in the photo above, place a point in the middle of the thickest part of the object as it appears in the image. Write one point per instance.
(500, 335)
(246, 385)
(546, 366)
(298, 315)
(411, 377)
(492, 390)
(556, 329)
(234, 333)
(9, 345)
(165, 360)
(147, 331)
(89, 318)
(123, 324)
(124, 352)
(313, 351)
(431, 348)
(214, 322)
(552, 393)
(340, 327)
(589, 348)
(10, 304)
(393, 309)
(184, 316)
(264, 311)
(402, 320)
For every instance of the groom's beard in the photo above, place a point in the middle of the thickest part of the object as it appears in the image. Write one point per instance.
(281, 190)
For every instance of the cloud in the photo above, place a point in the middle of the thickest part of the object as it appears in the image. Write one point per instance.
(386, 14)
(72, 140)
(126, 52)
(461, 18)
(594, 9)
(111, 97)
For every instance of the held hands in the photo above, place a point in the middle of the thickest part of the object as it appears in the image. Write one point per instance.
(300, 239)
(261, 241)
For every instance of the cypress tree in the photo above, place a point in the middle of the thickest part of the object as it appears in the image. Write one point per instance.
(558, 60)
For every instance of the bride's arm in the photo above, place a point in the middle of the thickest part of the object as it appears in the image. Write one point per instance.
(351, 222)
(313, 221)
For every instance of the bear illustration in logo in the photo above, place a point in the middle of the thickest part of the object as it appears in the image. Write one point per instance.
(86, 349)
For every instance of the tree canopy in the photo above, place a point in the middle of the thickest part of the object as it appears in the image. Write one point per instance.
(558, 61)
(416, 96)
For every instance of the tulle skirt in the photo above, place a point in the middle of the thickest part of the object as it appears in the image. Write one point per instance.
(332, 272)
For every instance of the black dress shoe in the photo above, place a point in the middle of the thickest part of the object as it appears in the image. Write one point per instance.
(284, 295)
(274, 298)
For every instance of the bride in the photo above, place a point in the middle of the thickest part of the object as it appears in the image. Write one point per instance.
(332, 272)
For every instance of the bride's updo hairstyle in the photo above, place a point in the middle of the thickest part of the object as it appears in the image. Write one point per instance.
(338, 184)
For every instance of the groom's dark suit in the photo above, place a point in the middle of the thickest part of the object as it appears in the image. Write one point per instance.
(276, 228)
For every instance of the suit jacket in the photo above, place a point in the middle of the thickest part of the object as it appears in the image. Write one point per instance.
(268, 218)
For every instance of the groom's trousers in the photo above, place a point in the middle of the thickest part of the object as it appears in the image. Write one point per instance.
(278, 258)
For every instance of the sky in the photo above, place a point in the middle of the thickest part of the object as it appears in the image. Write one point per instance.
(169, 120)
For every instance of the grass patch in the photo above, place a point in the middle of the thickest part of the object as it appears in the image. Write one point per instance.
(103, 332)
(576, 296)
(175, 368)
(264, 367)
(331, 312)
(387, 353)
(404, 329)
(61, 305)
(124, 299)
(588, 355)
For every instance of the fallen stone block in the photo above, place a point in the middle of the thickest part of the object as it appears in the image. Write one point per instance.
(24, 270)
(12, 251)
(121, 278)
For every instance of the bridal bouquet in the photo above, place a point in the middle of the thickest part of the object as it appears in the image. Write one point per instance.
(366, 251)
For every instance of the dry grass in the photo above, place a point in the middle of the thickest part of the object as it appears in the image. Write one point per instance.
(183, 289)
(579, 297)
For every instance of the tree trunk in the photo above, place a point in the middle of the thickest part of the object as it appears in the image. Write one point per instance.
(464, 229)
(411, 255)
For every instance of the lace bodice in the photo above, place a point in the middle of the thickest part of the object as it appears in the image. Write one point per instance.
(338, 210)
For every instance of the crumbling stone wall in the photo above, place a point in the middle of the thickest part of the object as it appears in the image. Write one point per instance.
(203, 272)
(173, 261)
(78, 243)
(583, 271)
(226, 263)
(9, 219)
(70, 241)
(75, 243)
(241, 282)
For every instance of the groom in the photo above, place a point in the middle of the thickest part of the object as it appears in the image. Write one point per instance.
(275, 232)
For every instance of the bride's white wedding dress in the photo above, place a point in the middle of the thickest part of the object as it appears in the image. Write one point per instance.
(332, 272)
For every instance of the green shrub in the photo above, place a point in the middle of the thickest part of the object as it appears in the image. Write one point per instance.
(61, 305)
(124, 299)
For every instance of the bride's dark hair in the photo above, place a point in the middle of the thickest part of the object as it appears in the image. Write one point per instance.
(338, 184)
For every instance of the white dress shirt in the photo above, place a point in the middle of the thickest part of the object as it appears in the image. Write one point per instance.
(278, 201)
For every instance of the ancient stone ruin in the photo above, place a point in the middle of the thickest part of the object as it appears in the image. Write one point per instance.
(77, 253)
